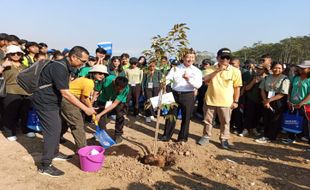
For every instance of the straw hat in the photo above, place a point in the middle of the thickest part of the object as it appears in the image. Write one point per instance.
(99, 69)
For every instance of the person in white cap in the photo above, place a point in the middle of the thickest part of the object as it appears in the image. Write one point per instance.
(17, 102)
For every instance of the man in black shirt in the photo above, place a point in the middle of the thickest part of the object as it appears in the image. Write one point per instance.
(47, 103)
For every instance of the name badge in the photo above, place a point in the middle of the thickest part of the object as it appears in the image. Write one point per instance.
(107, 104)
(271, 94)
(150, 85)
(296, 98)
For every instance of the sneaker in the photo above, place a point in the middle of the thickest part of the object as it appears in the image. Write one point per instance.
(288, 141)
(12, 138)
(31, 134)
(255, 132)
(245, 132)
(113, 117)
(153, 118)
(204, 140)
(51, 171)
(225, 144)
(62, 157)
(304, 139)
(148, 119)
(118, 139)
(262, 140)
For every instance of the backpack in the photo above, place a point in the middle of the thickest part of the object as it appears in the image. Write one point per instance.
(29, 78)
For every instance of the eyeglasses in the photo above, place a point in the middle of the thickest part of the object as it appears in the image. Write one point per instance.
(225, 57)
(83, 61)
(17, 53)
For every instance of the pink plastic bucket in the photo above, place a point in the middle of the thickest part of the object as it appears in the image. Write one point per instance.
(91, 163)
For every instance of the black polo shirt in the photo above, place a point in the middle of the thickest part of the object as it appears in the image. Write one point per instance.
(49, 99)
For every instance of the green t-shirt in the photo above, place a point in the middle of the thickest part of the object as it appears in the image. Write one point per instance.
(300, 90)
(108, 92)
(84, 71)
(116, 73)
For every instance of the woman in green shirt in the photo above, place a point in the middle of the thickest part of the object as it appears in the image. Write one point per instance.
(115, 67)
(274, 90)
(150, 87)
(17, 102)
(300, 96)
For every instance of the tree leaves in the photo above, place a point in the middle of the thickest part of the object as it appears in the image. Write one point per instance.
(289, 50)
(170, 45)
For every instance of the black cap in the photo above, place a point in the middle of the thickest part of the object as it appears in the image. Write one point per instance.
(175, 62)
(133, 60)
(29, 44)
(224, 52)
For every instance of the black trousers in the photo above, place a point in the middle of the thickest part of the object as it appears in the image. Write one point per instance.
(133, 95)
(149, 93)
(186, 103)
(15, 109)
(200, 97)
(120, 111)
(254, 112)
(51, 129)
(272, 119)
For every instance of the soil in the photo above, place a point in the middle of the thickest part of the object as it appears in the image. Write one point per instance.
(247, 165)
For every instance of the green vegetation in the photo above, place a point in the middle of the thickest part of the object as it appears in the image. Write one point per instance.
(290, 50)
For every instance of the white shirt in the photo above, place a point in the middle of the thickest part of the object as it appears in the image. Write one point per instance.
(175, 76)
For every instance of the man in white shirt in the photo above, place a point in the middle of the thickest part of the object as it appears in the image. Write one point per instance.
(185, 79)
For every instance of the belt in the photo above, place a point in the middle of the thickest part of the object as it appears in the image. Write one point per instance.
(180, 92)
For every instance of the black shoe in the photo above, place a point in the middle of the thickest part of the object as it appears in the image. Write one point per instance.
(51, 171)
(118, 139)
(164, 139)
(62, 157)
(225, 144)
(182, 140)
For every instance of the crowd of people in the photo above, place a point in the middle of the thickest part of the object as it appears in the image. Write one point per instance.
(74, 87)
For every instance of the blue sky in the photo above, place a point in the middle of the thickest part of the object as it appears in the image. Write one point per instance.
(130, 24)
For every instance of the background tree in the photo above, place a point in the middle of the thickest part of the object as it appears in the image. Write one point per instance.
(291, 50)
(171, 45)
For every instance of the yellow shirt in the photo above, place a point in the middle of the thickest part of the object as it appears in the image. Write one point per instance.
(221, 88)
(81, 86)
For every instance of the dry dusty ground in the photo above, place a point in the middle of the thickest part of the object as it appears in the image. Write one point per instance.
(247, 165)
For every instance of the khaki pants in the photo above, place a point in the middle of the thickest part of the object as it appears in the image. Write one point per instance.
(74, 120)
(224, 114)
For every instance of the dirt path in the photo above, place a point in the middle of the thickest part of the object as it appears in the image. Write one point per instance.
(247, 165)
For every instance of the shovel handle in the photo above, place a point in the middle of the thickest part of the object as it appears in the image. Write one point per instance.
(95, 120)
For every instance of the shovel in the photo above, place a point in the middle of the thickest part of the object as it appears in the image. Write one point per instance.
(102, 136)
